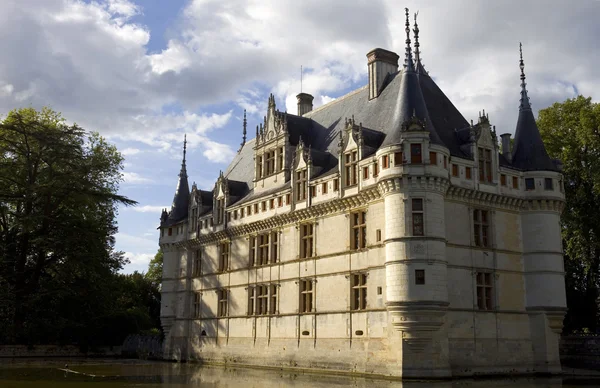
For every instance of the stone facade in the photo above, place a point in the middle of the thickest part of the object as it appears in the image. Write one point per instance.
(382, 252)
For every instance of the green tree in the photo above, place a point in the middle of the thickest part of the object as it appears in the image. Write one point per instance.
(571, 133)
(155, 268)
(58, 202)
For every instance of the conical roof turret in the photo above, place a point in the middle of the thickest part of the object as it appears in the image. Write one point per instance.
(529, 153)
(181, 200)
(410, 105)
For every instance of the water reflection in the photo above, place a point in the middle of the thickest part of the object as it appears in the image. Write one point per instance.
(111, 373)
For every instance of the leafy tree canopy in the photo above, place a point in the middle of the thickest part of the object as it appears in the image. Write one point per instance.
(571, 133)
(155, 268)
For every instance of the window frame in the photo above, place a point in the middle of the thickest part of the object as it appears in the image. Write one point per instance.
(529, 181)
(301, 184)
(307, 231)
(358, 230)
(224, 248)
(418, 214)
(350, 168)
(481, 228)
(197, 304)
(197, 263)
(484, 283)
(306, 294)
(416, 153)
(358, 291)
(222, 302)
(486, 174)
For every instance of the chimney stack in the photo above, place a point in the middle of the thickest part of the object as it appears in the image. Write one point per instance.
(305, 103)
(381, 63)
(506, 151)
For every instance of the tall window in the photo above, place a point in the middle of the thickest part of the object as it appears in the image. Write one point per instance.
(468, 172)
(280, 158)
(224, 257)
(301, 185)
(273, 300)
(485, 165)
(306, 240)
(197, 267)
(274, 247)
(358, 239)
(548, 184)
(417, 217)
(350, 164)
(262, 299)
(197, 299)
(306, 296)
(220, 210)
(484, 291)
(375, 169)
(419, 276)
(324, 188)
(359, 291)
(251, 300)
(336, 184)
(515, 182)
(259, 167)
(252, 253)
(480, 227)
(502, 179)
(270, 162)
(222, 298)
(415, 154)
(263, 249)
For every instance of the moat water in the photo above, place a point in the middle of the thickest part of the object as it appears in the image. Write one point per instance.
(118, 373)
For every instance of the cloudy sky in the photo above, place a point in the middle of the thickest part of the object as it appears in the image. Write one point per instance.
(144, 72)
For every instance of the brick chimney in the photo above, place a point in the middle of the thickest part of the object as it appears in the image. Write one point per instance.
(381, 63)
(305, 103)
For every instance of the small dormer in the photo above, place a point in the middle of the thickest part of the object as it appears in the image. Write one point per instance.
(485, 150)
(220, 201)
(351, 150)
(271, 149)
(302, 170)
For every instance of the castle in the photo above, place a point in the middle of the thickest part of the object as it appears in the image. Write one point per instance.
(381, 233)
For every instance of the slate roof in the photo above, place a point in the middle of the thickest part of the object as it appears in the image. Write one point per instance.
(181, 199)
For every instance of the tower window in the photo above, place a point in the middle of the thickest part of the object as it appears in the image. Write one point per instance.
(375, 169)
(385, 161)
(529, 184)
(324, 188)
(515, 182)
(454, 169)
(417, 217)
(548, 184)
(503, 180)
(397, 158)
(415, 154)
(419, 276)
(432, 158)
(468, 172)
(365, 172)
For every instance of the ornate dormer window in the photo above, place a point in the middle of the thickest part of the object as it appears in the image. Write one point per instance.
(259, 167)
(269, 162)
(220, 210)
(351, 148)
(485, 165)
(301, 185)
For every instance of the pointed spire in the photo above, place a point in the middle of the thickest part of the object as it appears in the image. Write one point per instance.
(528, 152)
(408, 61)
(418, 65)
(181, 200)
(244, 125)
(524, 98)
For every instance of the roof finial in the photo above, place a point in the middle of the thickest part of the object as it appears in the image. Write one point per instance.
(245, 124)
(408, 62)
(524, 98)
(416, 32)
(184, 146)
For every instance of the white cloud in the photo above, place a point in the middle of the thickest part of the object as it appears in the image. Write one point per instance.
(130, 151)
(137, 262)
(135, 178)
(148, 209)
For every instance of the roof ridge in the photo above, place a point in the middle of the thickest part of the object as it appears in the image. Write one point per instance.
(338, 99)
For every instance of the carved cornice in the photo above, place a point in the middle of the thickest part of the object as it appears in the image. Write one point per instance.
(553, 205)
(483, 198)
(330, 207)
(394, 184)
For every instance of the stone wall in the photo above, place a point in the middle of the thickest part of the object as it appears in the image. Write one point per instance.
(18, 351)
(145, 347)
(580, 351)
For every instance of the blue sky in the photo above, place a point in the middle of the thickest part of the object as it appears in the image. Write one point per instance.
(144, 72)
